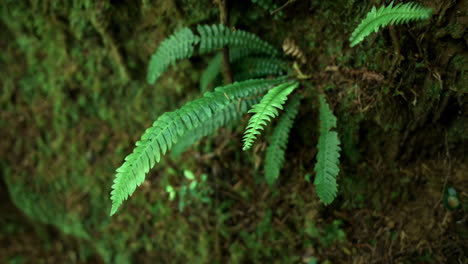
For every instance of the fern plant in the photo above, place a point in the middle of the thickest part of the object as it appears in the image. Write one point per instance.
(376, 18)
(262, 97)
(172, 126)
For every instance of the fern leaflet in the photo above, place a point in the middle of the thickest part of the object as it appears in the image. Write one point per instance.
(328, 155)
(376, 18)
(279, 139)
(169, 128)
(178, 46)
(255, 67)
(233, 111)
(215, 37)
(266, 109)
(243, 68)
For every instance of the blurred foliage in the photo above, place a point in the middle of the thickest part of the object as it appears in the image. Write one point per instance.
(67, 89)
(191, 191)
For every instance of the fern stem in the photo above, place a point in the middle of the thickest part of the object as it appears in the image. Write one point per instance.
(224, 19)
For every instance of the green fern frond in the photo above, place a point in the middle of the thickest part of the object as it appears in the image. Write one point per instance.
(328, 155)
(169, 128)
(215, 37)
(179, 45)
(232, 112)
(376, 18)
(274, 158)
(266, 110)
(255, 67)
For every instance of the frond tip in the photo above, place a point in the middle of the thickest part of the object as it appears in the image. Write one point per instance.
(266, 110)
(179, 45)
(328, 155)
(376, 18)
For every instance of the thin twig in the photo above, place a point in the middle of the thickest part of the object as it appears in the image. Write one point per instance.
(227, 75)
(224, 19)
(282, 7)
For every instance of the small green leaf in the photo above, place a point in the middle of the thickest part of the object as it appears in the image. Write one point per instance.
(307, 177)
(204, 178)
(169, 189)
(171, 192)
(189, 175)
(451, 200)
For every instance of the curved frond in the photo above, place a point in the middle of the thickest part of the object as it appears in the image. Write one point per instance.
(170, 127)
(376, 18)
(179, 45)
(266, 110)
(215, 37)
(328, 155)
(274, 158)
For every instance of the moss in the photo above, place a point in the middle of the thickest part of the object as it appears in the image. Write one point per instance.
(70, 83)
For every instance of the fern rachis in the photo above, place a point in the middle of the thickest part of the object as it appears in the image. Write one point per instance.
(376, 18)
